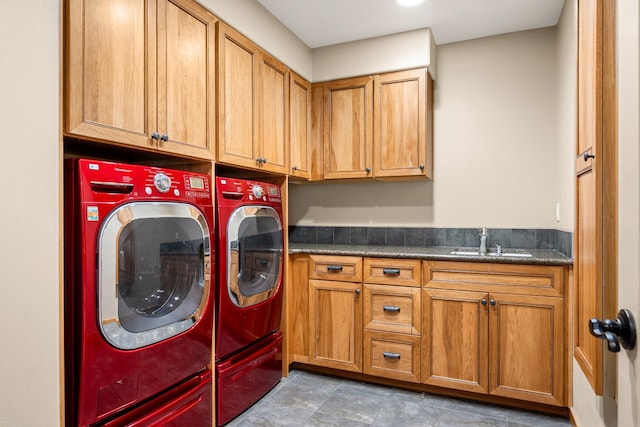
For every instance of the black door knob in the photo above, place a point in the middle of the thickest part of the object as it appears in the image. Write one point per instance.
(621, 331)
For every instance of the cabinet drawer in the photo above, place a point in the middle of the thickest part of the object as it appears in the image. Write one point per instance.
(389, 355)
(387, 271)
(540, 280)
(392, 308)
(340, 268)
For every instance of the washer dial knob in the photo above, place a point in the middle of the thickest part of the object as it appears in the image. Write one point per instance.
(258, 191)
(162, 182)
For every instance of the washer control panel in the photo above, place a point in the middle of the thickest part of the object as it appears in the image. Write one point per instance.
(162, 182)
(258, 191)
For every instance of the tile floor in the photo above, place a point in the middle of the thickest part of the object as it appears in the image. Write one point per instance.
(308, 399)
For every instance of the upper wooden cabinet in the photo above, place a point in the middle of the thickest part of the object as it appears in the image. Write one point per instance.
(300, 126)
(379, 127)
(141, 73)
(348, 114)
(402, 125)
(253, 107)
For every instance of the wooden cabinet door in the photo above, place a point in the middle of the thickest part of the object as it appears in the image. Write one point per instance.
(348, 118)
(237, 107)
(455, 339)
(400, 133)
(299, 126)
(297, 292)
(110, 80)
(335, 324)
(186, 78)
(526, 348)
(273, 113)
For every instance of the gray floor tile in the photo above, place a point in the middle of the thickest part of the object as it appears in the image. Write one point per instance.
(309, 399)
(354, 404)
(322, 419)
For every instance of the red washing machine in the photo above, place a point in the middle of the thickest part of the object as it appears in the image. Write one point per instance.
(138, 300)
(249, 248)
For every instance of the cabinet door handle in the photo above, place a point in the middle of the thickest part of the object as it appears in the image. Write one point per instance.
(357, 291)
(164, 137)
(391, 308)
(294, 168)
(334, 268)
(391, 271)
(492, 301)
(367, 170)
(155, 136)
(389, 355)
(484, 301)
(586, 156)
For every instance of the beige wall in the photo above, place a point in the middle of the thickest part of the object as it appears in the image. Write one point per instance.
(255, 22)
(401, 51)
(496, 147)
(29, 173)
(566, 118)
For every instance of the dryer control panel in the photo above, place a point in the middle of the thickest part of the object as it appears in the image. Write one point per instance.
(104, 181)
(247, 191)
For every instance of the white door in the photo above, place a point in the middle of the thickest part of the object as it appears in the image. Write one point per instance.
(628, 58)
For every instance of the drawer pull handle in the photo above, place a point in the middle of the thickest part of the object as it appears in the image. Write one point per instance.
(388, 355)
(391, 308)
(391, 271)
(334, 268)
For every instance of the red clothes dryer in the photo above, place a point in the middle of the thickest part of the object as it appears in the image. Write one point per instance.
(249, 248)
(138, 300)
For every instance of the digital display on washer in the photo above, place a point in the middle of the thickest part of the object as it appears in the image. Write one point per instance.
(196, 183)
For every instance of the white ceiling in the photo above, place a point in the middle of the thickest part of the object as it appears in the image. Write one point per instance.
(326, 22)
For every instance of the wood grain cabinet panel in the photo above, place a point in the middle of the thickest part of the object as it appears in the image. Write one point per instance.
(335, 327)
(300, 148)
(403, 128)
(392, 308)
(455, 340)
(490, 333)
(340, 268)
(527, 348)
(389, 271)
(141, 73)
(297, 291)
(348, 125)
(378, 126)
(390, 355)
(253, 120)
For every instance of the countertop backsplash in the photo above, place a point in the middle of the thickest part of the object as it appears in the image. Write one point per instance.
(558, 240)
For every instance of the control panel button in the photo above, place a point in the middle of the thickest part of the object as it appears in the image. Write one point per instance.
(148, 190)
(258, 191)
(162, 182)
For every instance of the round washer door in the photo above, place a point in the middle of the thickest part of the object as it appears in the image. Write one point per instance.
(153, 281)
(254, 255)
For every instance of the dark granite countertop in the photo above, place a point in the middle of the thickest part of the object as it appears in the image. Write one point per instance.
(440, 253)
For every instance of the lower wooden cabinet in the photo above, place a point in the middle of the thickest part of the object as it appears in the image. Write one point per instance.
(493, 334)
(335, 324)
(391, 355)
(491, 329)
(455, 344)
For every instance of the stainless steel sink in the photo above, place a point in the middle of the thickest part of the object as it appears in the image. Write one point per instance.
(495, 254)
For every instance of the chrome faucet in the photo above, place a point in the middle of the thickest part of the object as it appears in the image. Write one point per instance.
(483, 241)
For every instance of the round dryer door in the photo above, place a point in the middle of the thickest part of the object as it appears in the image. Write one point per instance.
(152, 278)
(254, 255)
